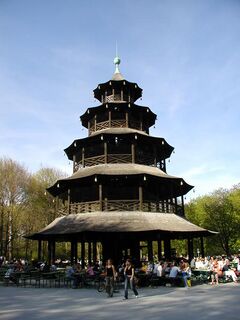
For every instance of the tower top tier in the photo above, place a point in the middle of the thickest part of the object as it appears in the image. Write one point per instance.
(117, 89)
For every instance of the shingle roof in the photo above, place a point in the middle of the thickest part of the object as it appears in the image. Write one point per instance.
(124, 221)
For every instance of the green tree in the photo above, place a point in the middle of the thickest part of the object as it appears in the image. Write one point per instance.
(41, 209)
(13, 195)
(219, 212)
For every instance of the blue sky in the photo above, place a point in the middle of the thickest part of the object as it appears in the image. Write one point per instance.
(184, 54)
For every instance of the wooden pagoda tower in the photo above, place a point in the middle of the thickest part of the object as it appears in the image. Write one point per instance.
(119, 195)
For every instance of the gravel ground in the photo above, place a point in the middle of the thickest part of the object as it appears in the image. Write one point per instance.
(198, 303)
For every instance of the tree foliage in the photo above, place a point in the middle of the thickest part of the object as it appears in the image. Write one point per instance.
(25, 206)
(220, 212)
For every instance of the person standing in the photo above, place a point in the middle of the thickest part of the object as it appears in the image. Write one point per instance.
(110, 277)
(129, 279)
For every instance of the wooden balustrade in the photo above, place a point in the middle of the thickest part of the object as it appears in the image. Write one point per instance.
(123, 205)
(122, 123)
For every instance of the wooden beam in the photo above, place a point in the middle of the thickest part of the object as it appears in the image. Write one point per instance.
(100, 197)
(133, 153)
(69, 201)
(140, 191)
(105, 152)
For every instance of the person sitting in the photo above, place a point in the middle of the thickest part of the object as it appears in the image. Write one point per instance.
(174, 270)
(227, 271)
(90, 271)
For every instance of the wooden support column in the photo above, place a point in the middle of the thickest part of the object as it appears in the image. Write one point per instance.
(133, 153)
(167, 249)
(69, 200)
(89, 252)
(190, 249)
(202, 247)
(176, 205)
(95, 123)
(121, 94)
(150, 250)
(127, 120)
(159, 243)
(51, 252)
(155, 156)
(100, 197)
(74, 163)
(94, 251)
(141, 122)
(140, 191)
(83, 157)
(182, 200)
(39, 250)
(73, 251)
(135, 250)
(89, 128)
(105, 152)
(110, 118)
(83, 254)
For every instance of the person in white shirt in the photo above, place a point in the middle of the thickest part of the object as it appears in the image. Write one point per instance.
(158, 269)
(174, 270)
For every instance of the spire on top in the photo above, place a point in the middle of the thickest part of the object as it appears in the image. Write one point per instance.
(117, 74)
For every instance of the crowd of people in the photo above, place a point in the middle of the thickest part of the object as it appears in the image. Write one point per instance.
(129, 272)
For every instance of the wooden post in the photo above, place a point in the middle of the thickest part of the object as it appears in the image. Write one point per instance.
(155, 156)
(159, 242)
(39, 250)
(105, 152)
(121, 94)
(167, 249)
(51, 252)
(69, 200)
(176, 205)
(89, 253)
(150, 250)
(141, 122)
(127, 120)
(182, 200)
(82, 253)
(133, 152)
(110, 118)
(74, 163)
(95, 123)
(202, 247)
(89, 128)
(190, 249)
(72, 256)
(94, 251)
(83, 157)
(140, 191)
(100, 197)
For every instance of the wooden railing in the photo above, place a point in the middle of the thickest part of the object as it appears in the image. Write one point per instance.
(110, 158)
(114, 124)
(120, 205)
(80, 207)
(124, 205)
(92, 161)
(119, 158)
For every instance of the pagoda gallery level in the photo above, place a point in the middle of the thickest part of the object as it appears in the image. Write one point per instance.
(120, 197)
